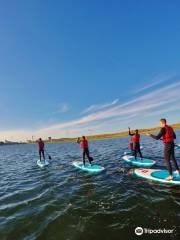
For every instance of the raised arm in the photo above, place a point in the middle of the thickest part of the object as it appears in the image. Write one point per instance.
(130, 134)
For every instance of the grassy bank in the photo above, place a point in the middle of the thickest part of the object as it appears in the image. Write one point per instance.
(114, 135)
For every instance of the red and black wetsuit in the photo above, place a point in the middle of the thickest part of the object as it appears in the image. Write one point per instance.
(85, 150)
(41, 149)
(168, 135)
(135, 140)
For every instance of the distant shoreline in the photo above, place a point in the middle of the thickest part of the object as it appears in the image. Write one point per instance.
(11, 143)
(110, 135)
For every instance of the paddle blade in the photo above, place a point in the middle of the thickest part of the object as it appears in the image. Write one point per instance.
(50, 157)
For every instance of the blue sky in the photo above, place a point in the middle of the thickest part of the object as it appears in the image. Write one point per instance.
(83, 67)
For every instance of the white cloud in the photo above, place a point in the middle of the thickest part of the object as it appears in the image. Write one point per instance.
(117, 115)
(157, 80)
(62, 108)
(16, 135)
(96, 107)
(142, 105)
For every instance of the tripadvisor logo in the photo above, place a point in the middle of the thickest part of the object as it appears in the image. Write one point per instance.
(139, 231)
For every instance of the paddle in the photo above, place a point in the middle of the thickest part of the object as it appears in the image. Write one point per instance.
(48, 155)
(159, 139)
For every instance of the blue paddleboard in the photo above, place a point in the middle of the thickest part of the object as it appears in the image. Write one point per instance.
(42, 163)
(138, 162)
(157, 175)
(177, 146)
(88, 167)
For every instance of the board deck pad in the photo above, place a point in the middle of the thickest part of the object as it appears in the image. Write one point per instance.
(42, 163)
(139, 162)
(128, 152)
(157, 175)
(88, 167)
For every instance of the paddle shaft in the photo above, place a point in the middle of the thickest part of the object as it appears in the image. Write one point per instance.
(47, 154)
(162, 140)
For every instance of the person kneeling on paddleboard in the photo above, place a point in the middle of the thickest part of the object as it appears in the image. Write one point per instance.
(41, 148)
(85, 149)
(167, 135)
(135, 143)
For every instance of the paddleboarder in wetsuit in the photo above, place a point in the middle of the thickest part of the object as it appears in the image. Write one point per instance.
(167, 135)
(41, 148)
(135, 143)
(85, 149)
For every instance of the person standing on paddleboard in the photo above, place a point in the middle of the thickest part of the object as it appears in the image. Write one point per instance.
(85, 149)
(167, 135)
(135, 143)
(41, 149)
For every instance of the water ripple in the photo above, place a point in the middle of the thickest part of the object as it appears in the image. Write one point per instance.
(61, 202)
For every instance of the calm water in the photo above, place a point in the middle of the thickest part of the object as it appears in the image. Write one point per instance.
(61, 202)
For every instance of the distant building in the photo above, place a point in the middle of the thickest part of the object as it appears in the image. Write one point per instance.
(10, 142)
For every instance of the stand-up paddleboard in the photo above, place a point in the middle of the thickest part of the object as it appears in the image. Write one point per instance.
(177, 146)
(157, 175)
(88, 167)
(42, 163)
(139, 162)
(130, 152)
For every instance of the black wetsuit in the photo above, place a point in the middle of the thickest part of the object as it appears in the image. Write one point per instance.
(86, 153)
(136, 147)
(168, 150)
(41, 153)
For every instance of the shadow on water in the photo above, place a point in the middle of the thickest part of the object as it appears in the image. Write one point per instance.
(61, 202)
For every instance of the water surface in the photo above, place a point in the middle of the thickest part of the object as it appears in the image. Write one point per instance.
(61, 202)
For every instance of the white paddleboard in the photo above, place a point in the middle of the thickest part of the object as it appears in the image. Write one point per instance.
(42, 163)
(88, 167)
(157, 175)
